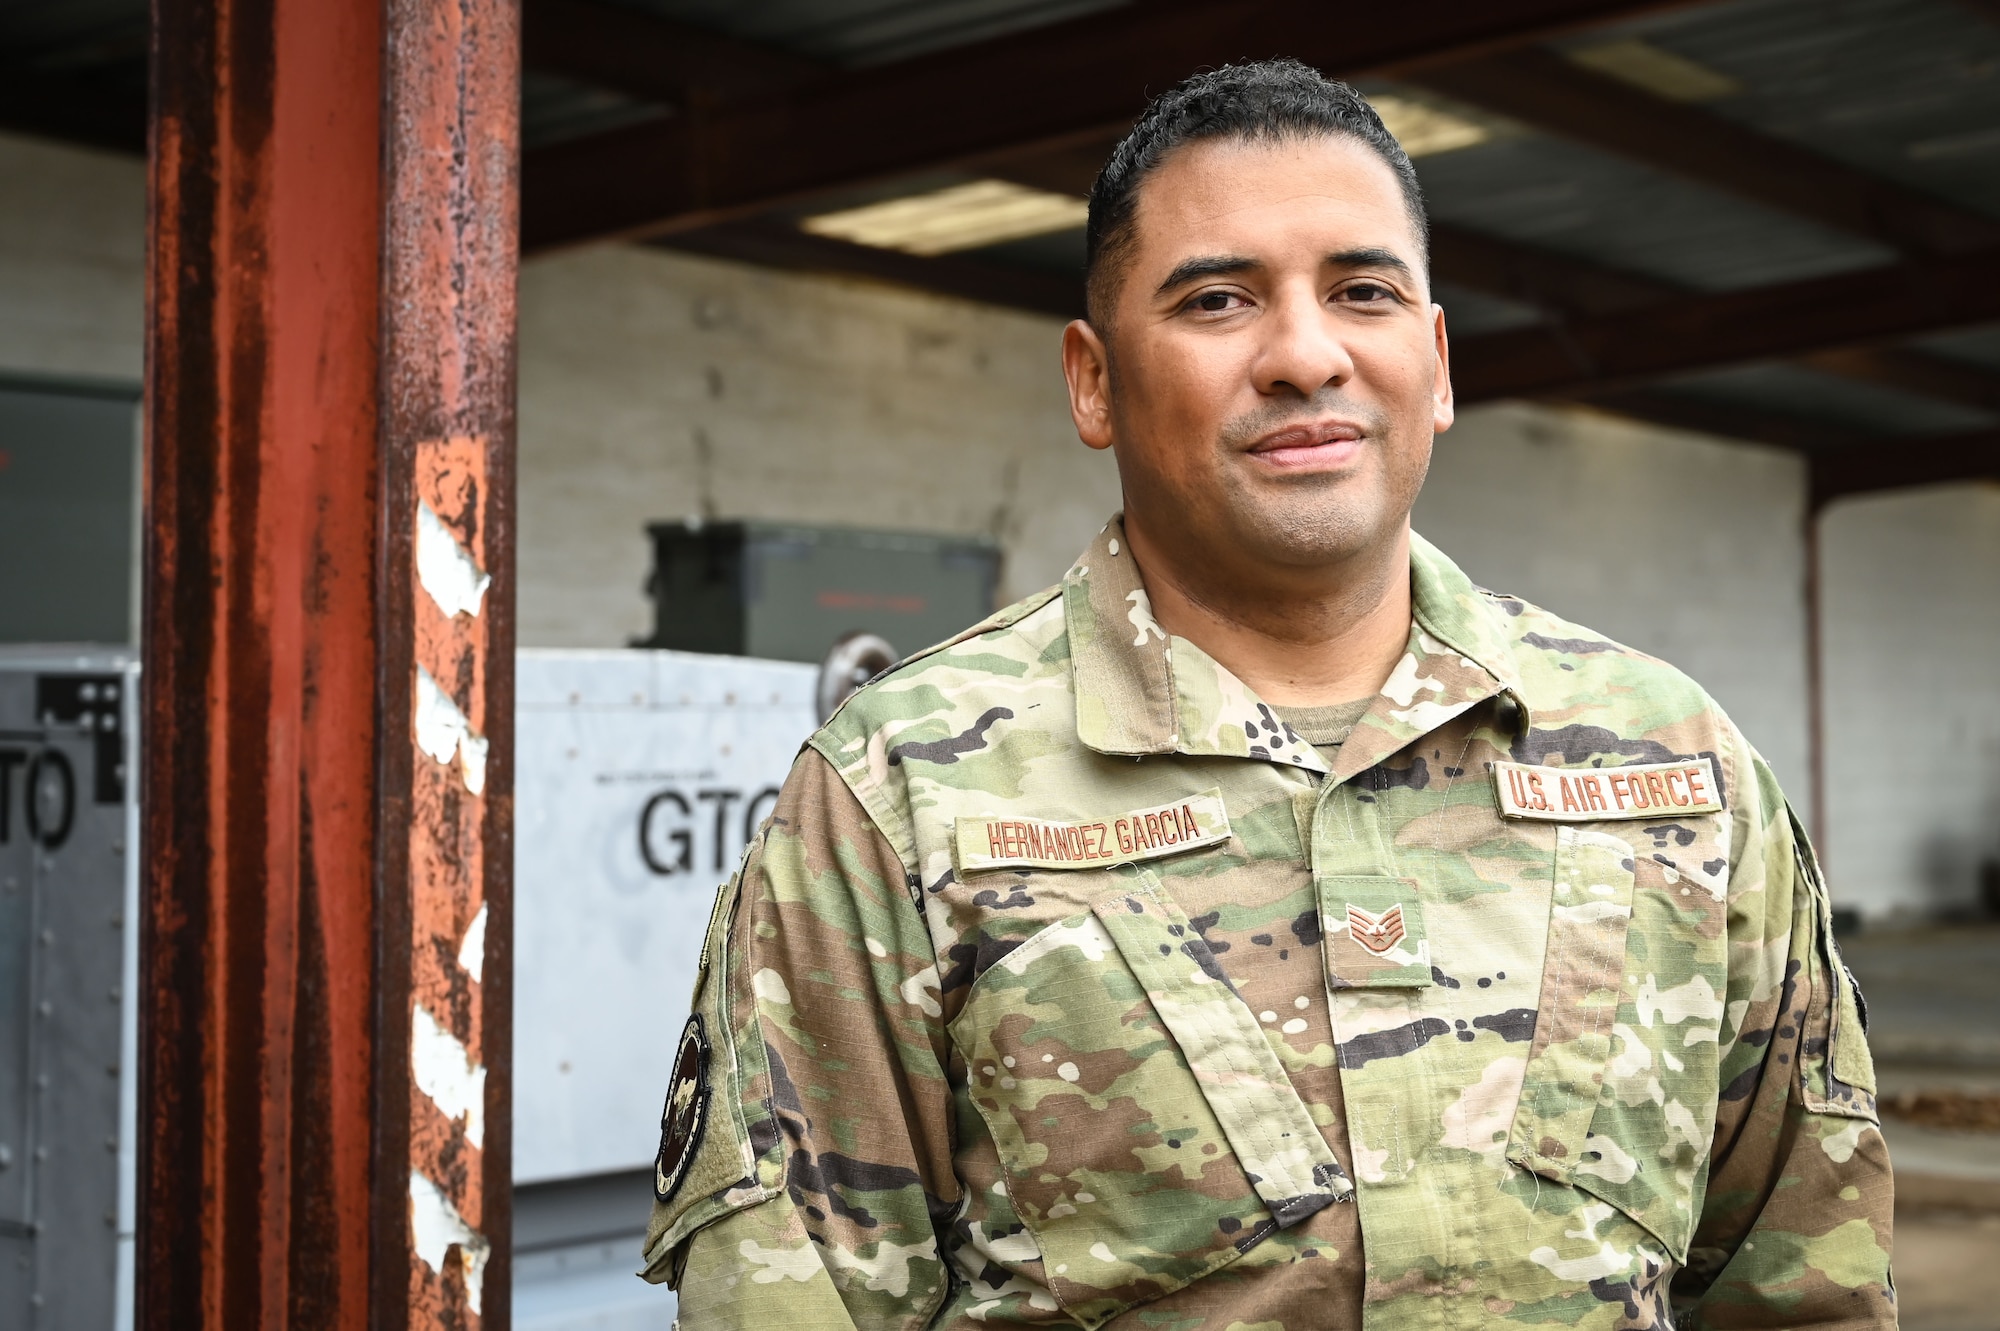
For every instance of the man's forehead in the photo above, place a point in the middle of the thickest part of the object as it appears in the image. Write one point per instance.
(1331, 192)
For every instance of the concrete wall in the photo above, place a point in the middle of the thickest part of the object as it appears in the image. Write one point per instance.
(1913, 697)
(72, 261)
(656, 386)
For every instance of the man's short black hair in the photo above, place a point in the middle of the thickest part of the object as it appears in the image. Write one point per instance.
(1270, 100)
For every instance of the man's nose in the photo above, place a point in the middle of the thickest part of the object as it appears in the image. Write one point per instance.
(1302, 350)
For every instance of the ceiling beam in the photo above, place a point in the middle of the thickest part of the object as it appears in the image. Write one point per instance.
(1727, 420)
(1704, 332)
(651, 58)
(1556, 283)
(103, 106)
(1919, 372)
(1567, 287)
(776, 244)
(1062, 83)
(1545, 90)
(1923, 461)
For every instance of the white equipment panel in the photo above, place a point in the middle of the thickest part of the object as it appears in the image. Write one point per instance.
(639, 778)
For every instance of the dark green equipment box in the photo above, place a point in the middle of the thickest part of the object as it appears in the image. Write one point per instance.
(788, 593)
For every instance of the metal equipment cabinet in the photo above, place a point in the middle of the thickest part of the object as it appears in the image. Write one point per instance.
(787, 593)
(68, 818)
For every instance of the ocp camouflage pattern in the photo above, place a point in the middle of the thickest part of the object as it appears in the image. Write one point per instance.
(1380, 1058)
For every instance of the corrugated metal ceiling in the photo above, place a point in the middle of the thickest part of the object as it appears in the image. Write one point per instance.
(1910, 91)
(857, 33)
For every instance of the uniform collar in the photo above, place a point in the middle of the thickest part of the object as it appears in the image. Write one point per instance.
(1141, 691)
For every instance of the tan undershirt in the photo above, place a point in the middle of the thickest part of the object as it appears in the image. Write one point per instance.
(1325, 728)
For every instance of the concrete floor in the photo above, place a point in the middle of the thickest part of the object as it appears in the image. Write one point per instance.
(1946, 1263)
(1934, 1023)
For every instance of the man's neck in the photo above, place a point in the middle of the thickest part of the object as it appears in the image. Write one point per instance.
(1325, 637)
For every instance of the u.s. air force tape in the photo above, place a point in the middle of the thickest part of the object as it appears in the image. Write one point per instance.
(1602, 794)
(1004, 841)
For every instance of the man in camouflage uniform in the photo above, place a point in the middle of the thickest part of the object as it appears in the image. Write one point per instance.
(1107, 965)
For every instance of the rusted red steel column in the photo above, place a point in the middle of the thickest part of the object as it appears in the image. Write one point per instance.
(330, 335)
(451, 241)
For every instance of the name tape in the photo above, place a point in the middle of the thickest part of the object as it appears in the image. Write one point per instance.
(996, 842)
(1601, 794)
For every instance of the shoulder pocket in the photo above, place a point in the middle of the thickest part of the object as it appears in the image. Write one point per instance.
(1149, 1134)
(719, 1147)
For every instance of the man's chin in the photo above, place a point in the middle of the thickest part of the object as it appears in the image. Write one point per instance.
(1309, 536)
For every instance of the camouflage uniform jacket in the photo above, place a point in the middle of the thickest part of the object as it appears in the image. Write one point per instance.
(1067, 986)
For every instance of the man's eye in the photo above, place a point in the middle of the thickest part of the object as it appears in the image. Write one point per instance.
(1213, 302)
(1367, 293)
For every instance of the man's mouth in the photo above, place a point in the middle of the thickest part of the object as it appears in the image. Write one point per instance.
(1319, 446)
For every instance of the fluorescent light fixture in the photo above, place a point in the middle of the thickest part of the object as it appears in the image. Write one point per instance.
(1424, 129)
(1658, 71)
(963, 217)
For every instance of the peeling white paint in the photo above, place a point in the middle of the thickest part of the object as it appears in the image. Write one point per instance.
(443, 730)
(472, 757)
(436, 1226)
(446, 1073)
(446, 568)
(472, 952)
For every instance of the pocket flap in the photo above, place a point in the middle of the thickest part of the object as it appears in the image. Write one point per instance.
(1281, 1149)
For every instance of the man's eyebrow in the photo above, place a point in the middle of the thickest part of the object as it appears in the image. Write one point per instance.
(1370, 257)
(1228, 265)
(1207, 265)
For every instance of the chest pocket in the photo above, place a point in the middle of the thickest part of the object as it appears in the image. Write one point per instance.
(1619, 1094)
(1149, 1133)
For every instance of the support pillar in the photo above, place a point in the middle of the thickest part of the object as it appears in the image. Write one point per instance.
(1815, 592)
(328, 646)
(450, 252)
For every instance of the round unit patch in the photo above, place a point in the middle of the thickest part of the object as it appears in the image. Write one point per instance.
(686, 1113)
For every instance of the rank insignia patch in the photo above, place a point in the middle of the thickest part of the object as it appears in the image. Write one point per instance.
(1377, 933)
(1604, 794)
(686, 1112)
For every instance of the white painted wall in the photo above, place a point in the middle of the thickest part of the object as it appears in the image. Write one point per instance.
(1913, 696)
(656, 386)
(1683, 546)
(72, 261)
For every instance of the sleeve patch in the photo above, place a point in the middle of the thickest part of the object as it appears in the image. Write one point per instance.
(686, 1112)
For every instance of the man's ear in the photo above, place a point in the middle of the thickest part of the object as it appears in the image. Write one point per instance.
(1443, 410)
(1087, 368)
